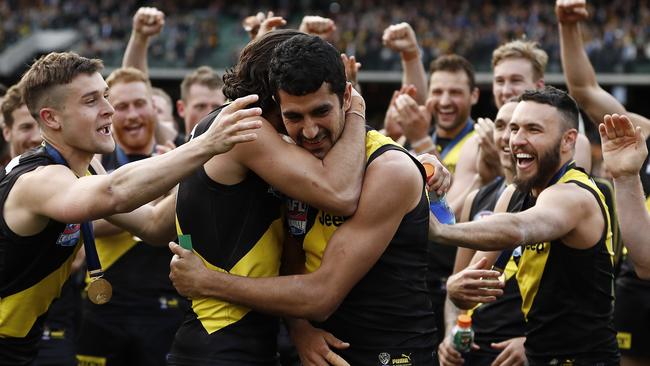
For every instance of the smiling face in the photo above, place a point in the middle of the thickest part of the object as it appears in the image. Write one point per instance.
(24, 132)
(314, 121)
(451, 100)
(85, 115)
(513, 76)
(135, 118)
(201, 100)
(535, 141)
(502, 134)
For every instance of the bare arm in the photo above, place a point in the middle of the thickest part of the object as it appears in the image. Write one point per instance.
(401, 38)
(69, 199)
(318, 294)
(555, 214)
(153, 224)
(582, 154)
(624, 151)
(147, 22)
(332, 184)
(578, 71)
(466, 177)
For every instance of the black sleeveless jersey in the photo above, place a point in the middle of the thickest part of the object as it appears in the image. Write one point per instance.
(32, 269)
(389, 309)
(568, 294)
(236, 229)
(502, 319)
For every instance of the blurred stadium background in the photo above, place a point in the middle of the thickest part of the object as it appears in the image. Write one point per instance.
(199, 32)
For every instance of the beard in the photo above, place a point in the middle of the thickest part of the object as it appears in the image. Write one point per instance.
(547, 162)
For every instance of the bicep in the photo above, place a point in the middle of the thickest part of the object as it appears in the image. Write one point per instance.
(357, 245)
(65, 198)
(286, 166)
(554, 215)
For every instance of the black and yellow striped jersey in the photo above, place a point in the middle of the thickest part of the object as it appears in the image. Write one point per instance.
(236, 229)
(567, 293)
(389, 309)
(32, 269)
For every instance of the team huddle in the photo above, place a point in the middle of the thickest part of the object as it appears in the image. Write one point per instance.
(278, 229)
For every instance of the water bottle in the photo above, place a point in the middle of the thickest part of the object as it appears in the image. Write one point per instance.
(438, 204)
(462, 334)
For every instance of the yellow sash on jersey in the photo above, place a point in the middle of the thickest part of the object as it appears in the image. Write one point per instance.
(534, 256)
(326, 224)
(263, 260)
(451, 158)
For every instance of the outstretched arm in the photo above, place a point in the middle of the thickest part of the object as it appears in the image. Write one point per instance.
(69, 199)
(555, 214)
(624, 151)
(578, 71)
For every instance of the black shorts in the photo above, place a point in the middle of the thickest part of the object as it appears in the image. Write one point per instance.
(141, 340)
(632, 320)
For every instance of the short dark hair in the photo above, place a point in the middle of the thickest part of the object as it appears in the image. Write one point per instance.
(251, 73)
(557, 98)
(3, 90)
(455, 63)
(52, 70)
(301, 64)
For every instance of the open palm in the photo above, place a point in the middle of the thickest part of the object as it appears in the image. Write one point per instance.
(624, 148)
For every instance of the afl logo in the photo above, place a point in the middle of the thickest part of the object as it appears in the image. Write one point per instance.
(70, 236)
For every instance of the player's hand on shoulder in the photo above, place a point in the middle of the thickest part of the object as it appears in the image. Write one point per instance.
(228, 128)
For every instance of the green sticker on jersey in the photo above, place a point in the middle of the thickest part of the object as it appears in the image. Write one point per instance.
(185, 241)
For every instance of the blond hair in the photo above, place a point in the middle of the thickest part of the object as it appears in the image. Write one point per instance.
(527, 50)
(125, 75)
(204, 75)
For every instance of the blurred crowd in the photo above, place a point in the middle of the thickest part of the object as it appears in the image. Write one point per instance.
(209, 32)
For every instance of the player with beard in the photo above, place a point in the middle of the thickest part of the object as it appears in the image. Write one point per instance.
(363, 277)
(201, 89)
(498, 323)
(138, 325)
(631, 321)
(565, 272)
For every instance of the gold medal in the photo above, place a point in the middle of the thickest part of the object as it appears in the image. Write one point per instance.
(99, 291)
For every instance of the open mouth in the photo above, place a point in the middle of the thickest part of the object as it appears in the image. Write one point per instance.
(105, 130)
(524, 160)
(133, 129)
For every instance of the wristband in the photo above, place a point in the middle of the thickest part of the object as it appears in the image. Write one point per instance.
(357, 113)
